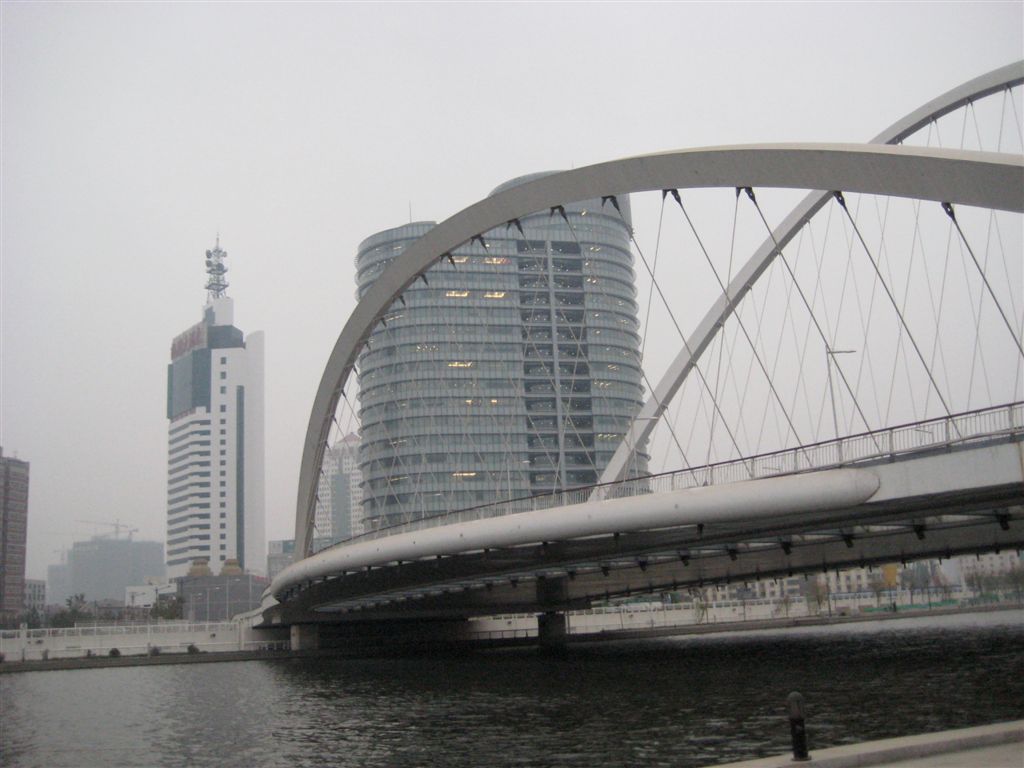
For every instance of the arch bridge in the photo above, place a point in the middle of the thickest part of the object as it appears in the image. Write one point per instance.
(872, 342)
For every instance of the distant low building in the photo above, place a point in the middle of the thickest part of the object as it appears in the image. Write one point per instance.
(35, 596)
(206, 597)
(102, 568)
(58, 583)
(147, 595)
(989, 565)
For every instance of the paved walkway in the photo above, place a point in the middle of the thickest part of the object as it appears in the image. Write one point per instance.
(1001, 756)
(987, 746)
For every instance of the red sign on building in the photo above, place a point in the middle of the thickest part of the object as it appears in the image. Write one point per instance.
(193, 338)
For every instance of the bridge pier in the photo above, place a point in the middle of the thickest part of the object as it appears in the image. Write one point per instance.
(552, 630)
(552, 625)
(305, 637)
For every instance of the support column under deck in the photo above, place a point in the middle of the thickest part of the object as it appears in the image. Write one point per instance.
(305, 637)
(552, 630)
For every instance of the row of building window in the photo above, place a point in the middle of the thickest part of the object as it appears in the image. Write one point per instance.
(190, 425)
(396, 394)
(468, 424)
(186, 448)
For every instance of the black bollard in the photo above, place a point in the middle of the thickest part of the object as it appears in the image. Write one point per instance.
(795, 702)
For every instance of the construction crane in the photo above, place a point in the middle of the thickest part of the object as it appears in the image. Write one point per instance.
(117, 525)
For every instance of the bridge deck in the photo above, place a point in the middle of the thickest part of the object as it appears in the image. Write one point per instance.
(961, 496)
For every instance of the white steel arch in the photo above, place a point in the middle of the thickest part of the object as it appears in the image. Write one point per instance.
(980, 179)
(662, 394)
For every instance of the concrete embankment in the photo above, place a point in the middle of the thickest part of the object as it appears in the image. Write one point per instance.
(986, 746)
(523, 633)
(755, 625)
(98, 662)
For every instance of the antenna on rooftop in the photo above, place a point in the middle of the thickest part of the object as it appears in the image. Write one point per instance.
(216, 283)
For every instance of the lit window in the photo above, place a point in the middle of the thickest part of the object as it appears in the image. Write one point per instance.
(494, 295)
(457, 294)
(496, 260)
(463, 474)
(460, 259)
(460, 364)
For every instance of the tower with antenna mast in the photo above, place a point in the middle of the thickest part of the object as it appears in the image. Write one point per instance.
(216, 282)
(215, 436)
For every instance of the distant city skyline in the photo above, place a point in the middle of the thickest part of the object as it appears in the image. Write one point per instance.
(132, 134)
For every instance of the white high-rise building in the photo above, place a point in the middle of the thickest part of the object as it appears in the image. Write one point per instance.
(215, 495)
(339, 511)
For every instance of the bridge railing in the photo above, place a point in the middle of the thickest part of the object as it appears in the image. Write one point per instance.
(884, 444)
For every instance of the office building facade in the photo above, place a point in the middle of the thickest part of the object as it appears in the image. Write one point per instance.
(339, 511)
(215, 494)
(14, 475)
(35, 596)
(101, 568)
(511, 370)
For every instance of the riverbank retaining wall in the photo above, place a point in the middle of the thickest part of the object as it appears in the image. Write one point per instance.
(136, 640)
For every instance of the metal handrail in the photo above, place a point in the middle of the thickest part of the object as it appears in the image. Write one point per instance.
(889, 443)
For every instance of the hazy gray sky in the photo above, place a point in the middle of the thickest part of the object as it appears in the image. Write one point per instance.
(133, 133)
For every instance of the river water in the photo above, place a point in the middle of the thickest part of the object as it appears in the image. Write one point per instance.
(686, 701)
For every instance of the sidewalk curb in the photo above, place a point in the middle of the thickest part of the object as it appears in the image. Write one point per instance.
(887, 751)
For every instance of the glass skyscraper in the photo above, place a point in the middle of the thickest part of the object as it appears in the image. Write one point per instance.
(511, 369)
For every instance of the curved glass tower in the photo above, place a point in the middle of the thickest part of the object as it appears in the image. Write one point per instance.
(512, 369)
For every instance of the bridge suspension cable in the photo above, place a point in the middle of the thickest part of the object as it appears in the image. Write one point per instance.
(748, 307)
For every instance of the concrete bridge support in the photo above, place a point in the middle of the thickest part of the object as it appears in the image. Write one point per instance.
(305, 637)
(552, 630)
(552, 625)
